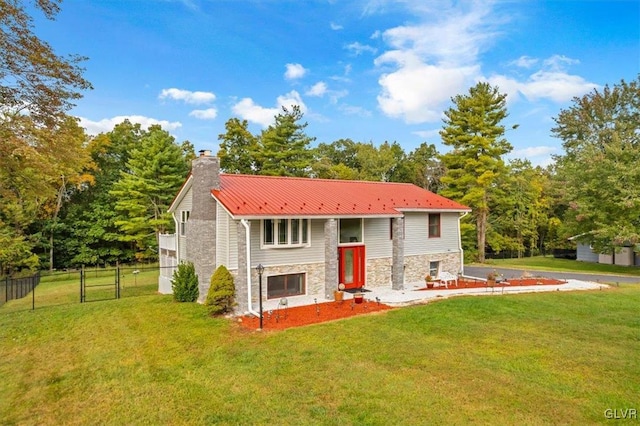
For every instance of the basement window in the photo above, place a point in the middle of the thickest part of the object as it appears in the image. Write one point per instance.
(286, 285)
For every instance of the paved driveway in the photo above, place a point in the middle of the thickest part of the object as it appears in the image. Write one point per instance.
(482, 271)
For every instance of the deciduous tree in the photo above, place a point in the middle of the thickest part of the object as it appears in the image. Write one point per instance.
(601, 137)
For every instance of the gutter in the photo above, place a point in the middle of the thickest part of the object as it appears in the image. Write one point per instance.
(245, 223)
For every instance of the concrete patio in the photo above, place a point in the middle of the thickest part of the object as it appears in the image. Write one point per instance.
(412, 294)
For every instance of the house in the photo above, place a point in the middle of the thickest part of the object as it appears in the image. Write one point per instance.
(308, 234)
(623, 256)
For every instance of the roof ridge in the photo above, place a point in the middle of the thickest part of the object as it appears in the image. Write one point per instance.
(316, 179)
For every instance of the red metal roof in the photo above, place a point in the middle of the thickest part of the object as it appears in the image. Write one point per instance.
(250, 195)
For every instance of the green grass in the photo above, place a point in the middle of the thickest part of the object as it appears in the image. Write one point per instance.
(545, 263)
(559, 358)
(64, 288)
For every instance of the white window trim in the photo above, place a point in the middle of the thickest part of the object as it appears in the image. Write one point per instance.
(276, 225)
(352, 244)
(183, 222)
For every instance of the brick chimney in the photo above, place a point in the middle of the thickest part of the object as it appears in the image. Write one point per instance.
(201, 228)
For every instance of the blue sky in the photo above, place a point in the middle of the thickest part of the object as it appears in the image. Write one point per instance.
(366, 70)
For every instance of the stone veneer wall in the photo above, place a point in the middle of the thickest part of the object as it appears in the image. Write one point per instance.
(314, 282)
(378, 273)
(417, 267)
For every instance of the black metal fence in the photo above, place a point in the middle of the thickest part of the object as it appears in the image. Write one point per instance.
(17, 288)
(89, 284)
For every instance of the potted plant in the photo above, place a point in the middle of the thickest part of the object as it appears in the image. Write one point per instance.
(338, 294)
(491, 278)
(429, 281)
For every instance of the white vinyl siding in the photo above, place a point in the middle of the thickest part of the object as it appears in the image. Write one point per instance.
(376, 237)
(185, 205)
(313, 253)
(417, 239)
(222, 237)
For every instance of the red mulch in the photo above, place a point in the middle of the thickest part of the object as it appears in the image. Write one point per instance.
(311, 314)
(508, 283)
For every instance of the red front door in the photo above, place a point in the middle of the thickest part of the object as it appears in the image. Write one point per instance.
(351, 264)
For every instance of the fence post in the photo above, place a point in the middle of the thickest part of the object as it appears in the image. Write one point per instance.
(33, 292)
(82, 284)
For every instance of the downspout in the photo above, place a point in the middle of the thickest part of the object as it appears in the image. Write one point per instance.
(245, 223)
(460, 243)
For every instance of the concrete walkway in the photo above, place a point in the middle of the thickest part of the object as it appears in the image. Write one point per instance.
(412, 295)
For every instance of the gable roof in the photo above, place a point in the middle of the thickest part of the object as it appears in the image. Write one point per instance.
(249, 196)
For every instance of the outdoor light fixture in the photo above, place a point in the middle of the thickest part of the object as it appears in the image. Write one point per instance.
(260, 270)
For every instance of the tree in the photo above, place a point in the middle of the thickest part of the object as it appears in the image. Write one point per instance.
(32, 77)
(425, 168)
(472, 127)
(601, 137)
(284, 146)
(39, 165)
(153, 175)
(238, 148)
(88, 230)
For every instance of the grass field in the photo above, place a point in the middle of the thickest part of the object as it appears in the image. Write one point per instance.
(549, 358)
(548, 263)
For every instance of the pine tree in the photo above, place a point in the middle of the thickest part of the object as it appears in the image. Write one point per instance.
(284, 149)
(155, 172)
(473, 129)
(238, 148)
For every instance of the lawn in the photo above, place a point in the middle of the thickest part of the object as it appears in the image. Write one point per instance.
(561, 358)
(548, 263)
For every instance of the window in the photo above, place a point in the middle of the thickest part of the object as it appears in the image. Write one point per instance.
(184, 217)
(285, 232)
(285, 285)
(434, 269)
(434, 225)
(350, 231)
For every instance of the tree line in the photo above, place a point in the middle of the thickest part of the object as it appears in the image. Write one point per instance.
(68, 199)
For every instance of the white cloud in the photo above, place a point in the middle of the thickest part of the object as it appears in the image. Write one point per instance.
(355, 110)
(524, 62)
(432, 61)
(335, 27)
(107, 124)
(359, 48)
(249, 110)
(204, 114)
(535, 151)
(294, 71)
(418, 92)
(552, 82)
(426, 134)
(187, 96)
(319, 89)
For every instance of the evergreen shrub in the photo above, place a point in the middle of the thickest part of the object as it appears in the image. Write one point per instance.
(185, 283)
(221, 295)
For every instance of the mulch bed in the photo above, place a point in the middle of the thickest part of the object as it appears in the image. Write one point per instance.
(311, 314)
(511, 282)
(284, 318)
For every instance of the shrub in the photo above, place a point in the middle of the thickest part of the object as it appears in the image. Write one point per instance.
(221, 295)
(185, 283)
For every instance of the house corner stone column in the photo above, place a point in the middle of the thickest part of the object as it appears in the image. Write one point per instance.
(397, 254)
(330, 257)
(242, 291)
(201, 227)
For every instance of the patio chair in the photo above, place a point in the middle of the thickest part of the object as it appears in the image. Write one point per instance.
(446, 277)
